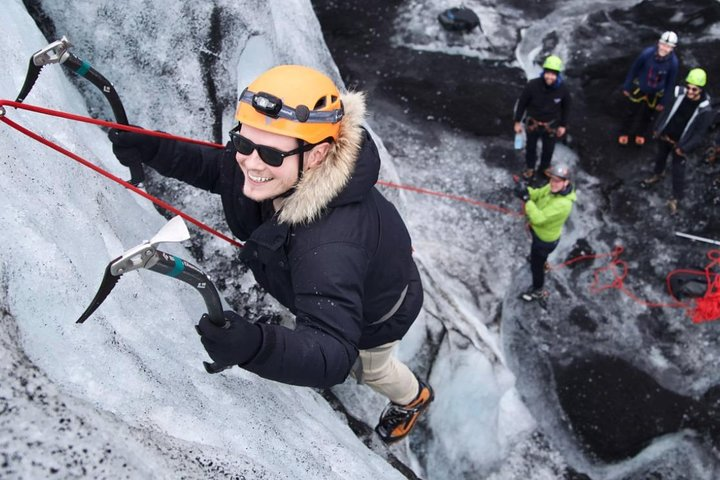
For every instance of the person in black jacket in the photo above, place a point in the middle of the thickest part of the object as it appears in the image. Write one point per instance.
(297, 185)
(680, 130)
(547, 103)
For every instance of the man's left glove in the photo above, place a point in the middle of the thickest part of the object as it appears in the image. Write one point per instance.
(234, 344)
(132, 148)
(521, 190)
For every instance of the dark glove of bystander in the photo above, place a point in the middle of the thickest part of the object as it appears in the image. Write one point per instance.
(132, 148)
(234, 344)
(521, 191)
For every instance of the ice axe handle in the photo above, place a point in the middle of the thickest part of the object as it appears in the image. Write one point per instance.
(84, 69)
(215, 367)
(187, 272)
(221, 322)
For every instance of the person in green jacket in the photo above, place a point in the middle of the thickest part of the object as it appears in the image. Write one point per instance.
(547, 208)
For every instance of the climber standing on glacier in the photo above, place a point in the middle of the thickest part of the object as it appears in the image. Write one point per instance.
(547, 209)
(544, 104)
(651, 75)
(297, 185)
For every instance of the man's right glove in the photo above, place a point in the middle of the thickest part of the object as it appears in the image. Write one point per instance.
(132, 148)
(235, 344)
(521, 190)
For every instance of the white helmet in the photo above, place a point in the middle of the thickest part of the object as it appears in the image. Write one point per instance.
(561, 171)
(669, 38)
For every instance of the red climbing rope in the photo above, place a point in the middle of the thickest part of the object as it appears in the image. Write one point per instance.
(102, 123)
(618, 269)
(478, 203)
(101, 171)
(706, 308)
(157, 201)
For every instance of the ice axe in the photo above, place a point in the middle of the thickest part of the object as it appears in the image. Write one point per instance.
(59, 52)
(147, 256)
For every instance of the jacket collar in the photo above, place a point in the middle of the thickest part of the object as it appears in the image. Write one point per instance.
(704, 101)
(320, 185)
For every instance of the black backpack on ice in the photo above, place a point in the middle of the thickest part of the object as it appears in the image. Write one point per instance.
(459, 19)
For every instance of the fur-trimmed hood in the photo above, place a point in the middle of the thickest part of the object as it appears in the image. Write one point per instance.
(321, 186)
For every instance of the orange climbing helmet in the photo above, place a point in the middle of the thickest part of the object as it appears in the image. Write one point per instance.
(292, 100)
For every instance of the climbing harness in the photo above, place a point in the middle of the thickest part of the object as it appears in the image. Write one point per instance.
(669, 140)
(637, 96)
(533, 125)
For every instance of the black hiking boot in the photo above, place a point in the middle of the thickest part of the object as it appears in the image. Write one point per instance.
(536, 295)
(396, 421)
(650, 181)
(711, 155)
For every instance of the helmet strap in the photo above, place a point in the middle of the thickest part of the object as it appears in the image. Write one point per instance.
(301, 162)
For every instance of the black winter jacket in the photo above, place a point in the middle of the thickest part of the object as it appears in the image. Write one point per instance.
(698, 125)
(344, 266)
(545, 103)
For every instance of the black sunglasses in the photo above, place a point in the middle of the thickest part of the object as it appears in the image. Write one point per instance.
(693, 88)
(271, 156)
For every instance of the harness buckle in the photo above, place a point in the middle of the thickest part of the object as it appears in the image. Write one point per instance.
(56, 52)
(533, 124)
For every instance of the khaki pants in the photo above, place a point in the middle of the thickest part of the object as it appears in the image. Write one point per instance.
(379, 369)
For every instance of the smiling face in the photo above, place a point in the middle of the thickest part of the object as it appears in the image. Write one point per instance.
(265, 182)
(558, 184)
(550, 77)
(262, 181)
(664, 49)
(693, 92)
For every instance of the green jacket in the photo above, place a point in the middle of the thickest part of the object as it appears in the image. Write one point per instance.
(547, 211)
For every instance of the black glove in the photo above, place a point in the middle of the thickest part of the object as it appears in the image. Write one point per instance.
(132, 148)
(521, 191)
(234, 344)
